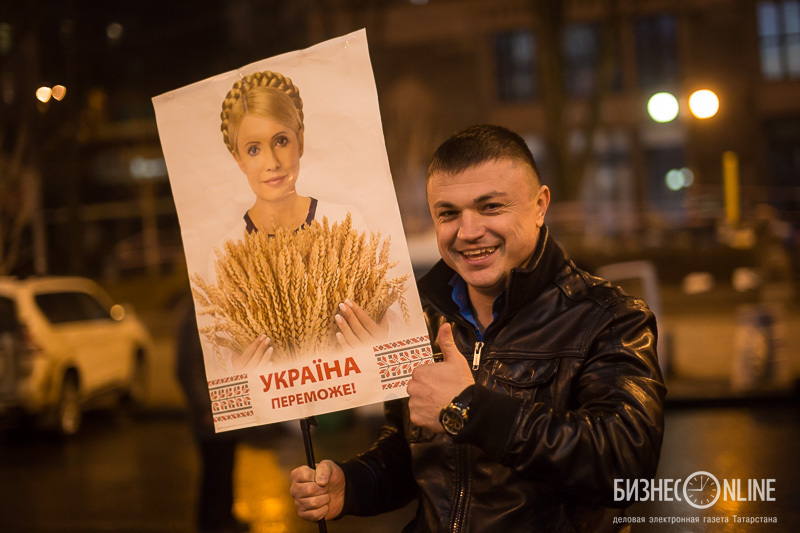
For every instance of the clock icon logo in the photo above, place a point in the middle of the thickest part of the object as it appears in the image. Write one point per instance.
(701, 489)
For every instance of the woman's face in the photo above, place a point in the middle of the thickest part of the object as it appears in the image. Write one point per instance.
(269, 155)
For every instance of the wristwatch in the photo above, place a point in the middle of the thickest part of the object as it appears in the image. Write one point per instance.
(455, 415)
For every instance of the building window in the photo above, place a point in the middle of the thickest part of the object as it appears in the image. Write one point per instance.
(514, 53)
(779, 39)
(656, 51)
(582, 52)
(581, 49)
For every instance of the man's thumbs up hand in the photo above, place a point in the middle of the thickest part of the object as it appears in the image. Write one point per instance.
(432, 387)
(448, 344)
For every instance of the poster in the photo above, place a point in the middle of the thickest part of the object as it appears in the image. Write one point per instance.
(287, 211)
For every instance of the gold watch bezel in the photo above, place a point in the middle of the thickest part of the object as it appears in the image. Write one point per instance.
(454, 417)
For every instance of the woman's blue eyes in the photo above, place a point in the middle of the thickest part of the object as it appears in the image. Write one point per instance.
(280, 142)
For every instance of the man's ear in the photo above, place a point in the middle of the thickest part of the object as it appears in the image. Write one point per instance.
(542, 202)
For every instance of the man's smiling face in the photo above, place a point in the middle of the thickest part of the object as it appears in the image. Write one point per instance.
(487, 220)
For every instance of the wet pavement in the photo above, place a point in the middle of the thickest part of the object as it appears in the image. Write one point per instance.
(138, 473)
(737, 442)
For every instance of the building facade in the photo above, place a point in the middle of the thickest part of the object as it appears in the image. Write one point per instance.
(574, 78)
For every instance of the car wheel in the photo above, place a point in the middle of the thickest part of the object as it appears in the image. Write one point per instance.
(136, 395)
(69, 410)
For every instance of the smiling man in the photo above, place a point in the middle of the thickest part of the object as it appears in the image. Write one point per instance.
(487, 219)
(549, 387)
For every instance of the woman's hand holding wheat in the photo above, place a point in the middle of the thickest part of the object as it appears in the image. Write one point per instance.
(356, 327)
(257, 354)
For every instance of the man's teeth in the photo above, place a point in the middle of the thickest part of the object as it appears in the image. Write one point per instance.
(482, 251)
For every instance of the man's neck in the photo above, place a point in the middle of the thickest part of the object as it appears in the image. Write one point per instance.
(482, 302)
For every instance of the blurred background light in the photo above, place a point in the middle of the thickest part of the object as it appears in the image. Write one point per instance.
(674, 180)
(662, 107)
(114, 31)
(6, 37)
(703, 103)
(59, 92)
(143, 168)
(679, 178)
(43, 94)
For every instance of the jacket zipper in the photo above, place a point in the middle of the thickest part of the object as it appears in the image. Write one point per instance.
(476, 355)
(461, 450)
(463, 459)
(463, 469)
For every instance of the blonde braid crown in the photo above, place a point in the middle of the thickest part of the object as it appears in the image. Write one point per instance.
(257, 79)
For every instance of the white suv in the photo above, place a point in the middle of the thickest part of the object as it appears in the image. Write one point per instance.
(63, 342)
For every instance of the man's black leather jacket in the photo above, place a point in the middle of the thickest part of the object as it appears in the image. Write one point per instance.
(568, 398)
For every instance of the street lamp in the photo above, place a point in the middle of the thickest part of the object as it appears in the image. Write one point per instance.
(663, 107)
(703, 103)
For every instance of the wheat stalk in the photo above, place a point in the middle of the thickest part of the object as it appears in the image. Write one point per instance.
(288, 286)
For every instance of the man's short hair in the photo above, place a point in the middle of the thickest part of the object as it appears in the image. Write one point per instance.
(480, 144)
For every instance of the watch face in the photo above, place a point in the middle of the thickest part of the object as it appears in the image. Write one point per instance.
(453, 417)
(452, 421)
(701, 490)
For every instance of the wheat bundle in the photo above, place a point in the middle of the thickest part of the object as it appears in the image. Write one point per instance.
(288, 286)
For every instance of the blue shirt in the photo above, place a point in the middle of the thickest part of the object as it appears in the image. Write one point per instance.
(461, 297)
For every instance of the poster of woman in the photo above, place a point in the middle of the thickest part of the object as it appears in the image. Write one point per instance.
(303, 286)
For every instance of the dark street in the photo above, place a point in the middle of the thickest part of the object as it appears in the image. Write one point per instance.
(137, 473)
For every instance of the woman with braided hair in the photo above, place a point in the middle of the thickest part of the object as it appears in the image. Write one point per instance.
(262, 126)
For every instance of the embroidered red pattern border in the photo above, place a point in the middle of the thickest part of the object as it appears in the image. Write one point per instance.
(397, 360)
(230, 398)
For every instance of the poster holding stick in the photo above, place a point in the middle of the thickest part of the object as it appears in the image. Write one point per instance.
(305, 428)
(299, 266)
